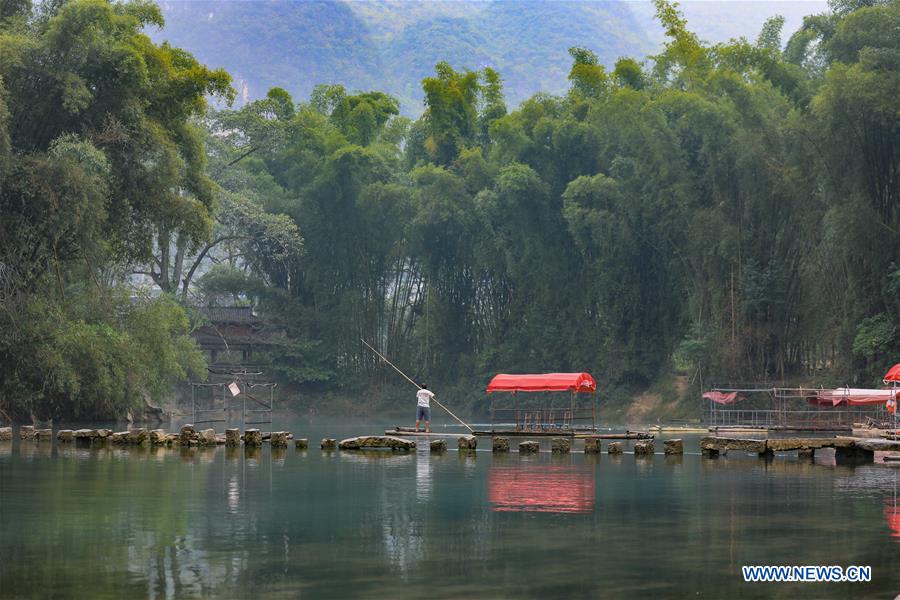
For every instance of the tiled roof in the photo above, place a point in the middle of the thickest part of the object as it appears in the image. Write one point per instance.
(228, 314)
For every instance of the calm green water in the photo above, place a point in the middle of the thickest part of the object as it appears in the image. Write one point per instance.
(111, 523)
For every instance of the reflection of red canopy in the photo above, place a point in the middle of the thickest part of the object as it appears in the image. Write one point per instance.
(533, 488)
(892, 515)
(893, 374)
(546, 382)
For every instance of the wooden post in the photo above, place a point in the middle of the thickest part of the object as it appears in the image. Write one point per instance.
(516, 399)
(493, 420)
(572, 412)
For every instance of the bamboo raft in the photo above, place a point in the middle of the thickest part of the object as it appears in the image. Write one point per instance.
(628, 435)
(577, 434)
(409, 431)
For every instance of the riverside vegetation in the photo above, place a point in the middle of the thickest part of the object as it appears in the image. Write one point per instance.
(725, 210)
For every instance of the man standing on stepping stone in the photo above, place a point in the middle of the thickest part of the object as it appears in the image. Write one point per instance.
(423, 409)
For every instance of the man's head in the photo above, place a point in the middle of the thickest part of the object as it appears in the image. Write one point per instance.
(423, 386)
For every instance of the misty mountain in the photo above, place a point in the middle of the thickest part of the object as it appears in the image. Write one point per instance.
(391, 45)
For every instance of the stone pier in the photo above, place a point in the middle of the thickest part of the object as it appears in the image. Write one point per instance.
(233, 437)
(301, 444)
(614, 448)
(500, 444)
(644, 448)
(560, 446)
(207, 437)
(138, 436)
(711, 447)
(438, 446)
(847, 450)
(252, 437)
(377, 441)
(592, 445)
(328, 444)
(529, 447)
(673, 447)
(187, 435)
(279, 439)
(467, 443)
(159, 437)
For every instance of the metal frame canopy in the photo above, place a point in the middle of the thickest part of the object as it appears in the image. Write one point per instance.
(544, 382)
(544, 415)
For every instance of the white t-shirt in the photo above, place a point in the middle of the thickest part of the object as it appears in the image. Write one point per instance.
(424, 397)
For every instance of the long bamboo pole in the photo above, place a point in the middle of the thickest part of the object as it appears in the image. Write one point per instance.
(382, 357)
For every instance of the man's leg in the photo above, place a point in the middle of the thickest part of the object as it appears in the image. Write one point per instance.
(427, 426)
(417, 425)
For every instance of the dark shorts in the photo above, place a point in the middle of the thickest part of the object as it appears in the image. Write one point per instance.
(423, 413)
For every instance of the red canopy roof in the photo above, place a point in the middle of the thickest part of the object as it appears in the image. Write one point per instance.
(853, 396)
(721, 397)
(893, 373)
(545, 382)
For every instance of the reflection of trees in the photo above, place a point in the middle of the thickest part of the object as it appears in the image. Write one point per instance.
(116, 522)
(424, 482)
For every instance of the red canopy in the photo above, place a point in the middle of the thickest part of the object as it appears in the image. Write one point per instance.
(893, 373)
(853, 396)
(545, 382)
(721, 397)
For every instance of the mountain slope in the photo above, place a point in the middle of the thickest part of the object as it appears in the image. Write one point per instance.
(391, 45)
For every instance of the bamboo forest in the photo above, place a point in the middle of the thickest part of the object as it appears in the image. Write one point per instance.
(723, 212)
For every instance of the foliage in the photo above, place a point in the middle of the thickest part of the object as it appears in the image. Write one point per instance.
(729, 210)
(98, 153)
(679, 214)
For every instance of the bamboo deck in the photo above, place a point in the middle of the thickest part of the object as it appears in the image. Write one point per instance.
(628, 435)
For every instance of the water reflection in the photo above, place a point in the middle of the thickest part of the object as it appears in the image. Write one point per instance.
(233, 524)
(892, 511)
(234, 494)
(252, 455)
(467, 461)
(423, 474)
(542, 488)
(31, 449)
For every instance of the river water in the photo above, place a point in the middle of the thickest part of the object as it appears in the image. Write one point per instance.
(169, 523)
